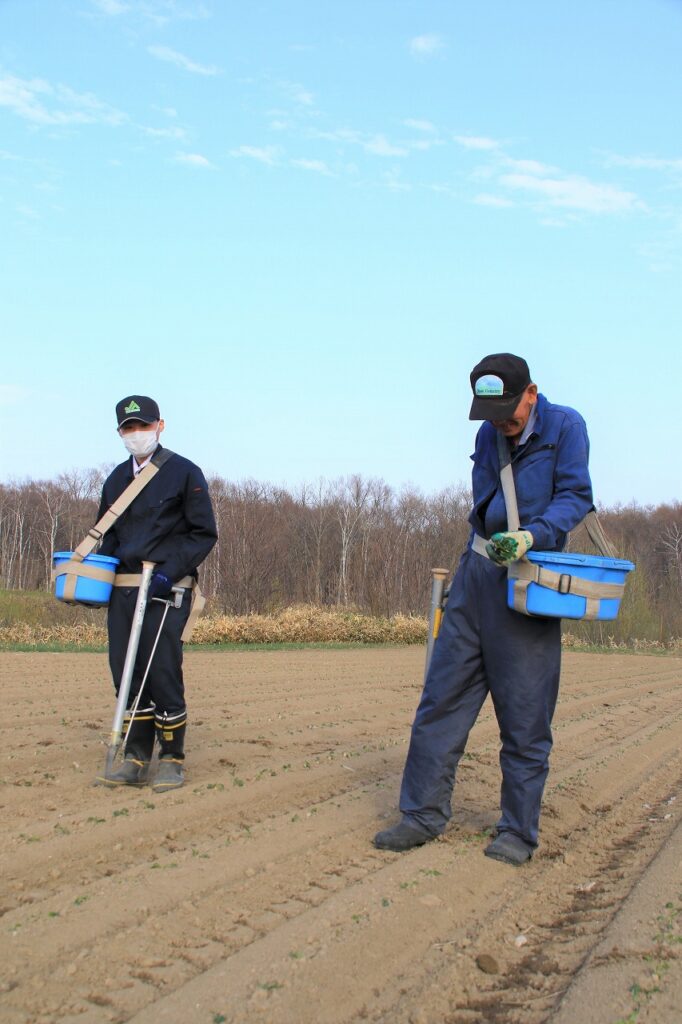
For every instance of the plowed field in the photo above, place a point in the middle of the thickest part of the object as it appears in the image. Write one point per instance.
(254, 893)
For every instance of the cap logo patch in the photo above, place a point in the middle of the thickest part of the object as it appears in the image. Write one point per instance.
(133, 407)
(489, 386)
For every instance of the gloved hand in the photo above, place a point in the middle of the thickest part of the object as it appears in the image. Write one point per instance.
(159, 586)
(505, 548)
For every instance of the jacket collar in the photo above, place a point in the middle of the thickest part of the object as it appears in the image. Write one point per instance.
(130, 471)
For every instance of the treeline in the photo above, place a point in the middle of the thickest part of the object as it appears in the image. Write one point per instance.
(354, 542)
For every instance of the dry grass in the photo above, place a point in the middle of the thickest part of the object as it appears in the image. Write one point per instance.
(26, 634)
(298, 624)
(38, 621)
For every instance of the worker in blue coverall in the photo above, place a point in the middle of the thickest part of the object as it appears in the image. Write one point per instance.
(170, 523)
(483, 646)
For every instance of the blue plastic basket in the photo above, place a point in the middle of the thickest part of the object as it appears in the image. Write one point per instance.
(88, 591)
(544, 601)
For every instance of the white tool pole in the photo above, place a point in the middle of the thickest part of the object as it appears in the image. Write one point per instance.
(129, 665)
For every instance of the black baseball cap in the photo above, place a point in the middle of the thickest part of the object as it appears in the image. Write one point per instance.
(137, 407)
(498, 382)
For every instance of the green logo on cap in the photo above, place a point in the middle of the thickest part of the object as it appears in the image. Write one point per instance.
(133, 407)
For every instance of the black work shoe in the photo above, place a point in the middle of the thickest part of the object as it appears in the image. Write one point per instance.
(400, 838)
(131, 773)
(509, 848)
(171, 775)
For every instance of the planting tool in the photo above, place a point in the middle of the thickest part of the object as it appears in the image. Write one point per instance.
(175, 602)
(128, 667)
(438, 597)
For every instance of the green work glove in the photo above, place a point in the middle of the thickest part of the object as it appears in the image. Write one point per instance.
(505, 548)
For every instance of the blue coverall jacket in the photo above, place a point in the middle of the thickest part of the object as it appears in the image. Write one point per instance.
(484, 647)
(551, 476)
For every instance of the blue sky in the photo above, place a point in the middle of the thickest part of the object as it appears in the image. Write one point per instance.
(299, 225)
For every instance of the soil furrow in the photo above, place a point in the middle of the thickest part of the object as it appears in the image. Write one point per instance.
(254, 893)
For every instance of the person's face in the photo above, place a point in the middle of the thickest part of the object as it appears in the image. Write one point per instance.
(130, 426)
(514, 426)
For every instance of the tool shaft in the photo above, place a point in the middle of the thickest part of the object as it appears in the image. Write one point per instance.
(438, 577)
(131, 654)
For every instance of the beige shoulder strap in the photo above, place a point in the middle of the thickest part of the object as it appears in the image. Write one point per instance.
(596, 534)
(507, 481)
(95, 534)
(593, 526)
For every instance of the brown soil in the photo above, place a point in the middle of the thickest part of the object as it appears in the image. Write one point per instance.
(254, 893)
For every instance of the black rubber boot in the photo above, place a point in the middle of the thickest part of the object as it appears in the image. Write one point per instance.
(131, 773)
(401, 837)
(170, 731)
(509, 848)
(138, 743)
(170, 775)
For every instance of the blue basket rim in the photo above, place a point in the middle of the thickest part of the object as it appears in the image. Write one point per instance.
(573, 558)
(66, 555)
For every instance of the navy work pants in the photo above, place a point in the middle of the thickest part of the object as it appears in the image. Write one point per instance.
(164, 687)
(484, 647)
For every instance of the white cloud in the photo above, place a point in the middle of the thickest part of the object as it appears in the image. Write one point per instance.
(193, 160)
(647, 163)
(160, 12)
(173, 132)
(312, 165)
(28, 212)
(423, 144)
(380, 146)
(111, 6)
(298, 93)
(13, 394)
(40, 102)
(426, 45)
(181, 61)
(419, 126)
(340, 135)
(574, 192)
(263, 154)
(662, 255)
(485, 199)
(476, 142)
(393, 182)
(529, 166)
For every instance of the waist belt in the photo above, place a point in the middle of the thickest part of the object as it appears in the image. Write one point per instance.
(133, 579)
(524, 572)
(73, 570)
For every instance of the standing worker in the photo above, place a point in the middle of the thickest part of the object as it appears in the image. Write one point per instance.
(483, 646)
(170, 523)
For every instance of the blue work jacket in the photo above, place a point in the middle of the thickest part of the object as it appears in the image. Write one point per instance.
(170, 522)
(553, 487)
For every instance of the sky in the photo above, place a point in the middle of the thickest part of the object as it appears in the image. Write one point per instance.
(299, 225)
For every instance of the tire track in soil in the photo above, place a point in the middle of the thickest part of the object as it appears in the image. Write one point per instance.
(169, 905)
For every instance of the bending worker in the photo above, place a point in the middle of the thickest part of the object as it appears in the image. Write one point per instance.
(483, 646)
(170, 523)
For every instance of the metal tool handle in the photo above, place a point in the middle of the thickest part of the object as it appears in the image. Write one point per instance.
(131, 654)
(438, 578)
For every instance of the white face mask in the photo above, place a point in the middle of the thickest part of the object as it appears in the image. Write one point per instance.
(141, 442)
